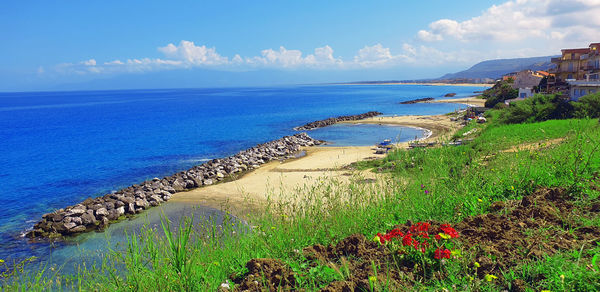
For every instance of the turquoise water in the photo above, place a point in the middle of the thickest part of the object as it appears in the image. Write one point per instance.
(59, 148)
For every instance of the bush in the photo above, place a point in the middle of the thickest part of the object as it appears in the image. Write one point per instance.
(587, 106)
(536, 109)
(500, 92)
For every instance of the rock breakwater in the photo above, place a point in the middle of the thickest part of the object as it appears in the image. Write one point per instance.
(98, 213)
(331, 121)
(417, 100)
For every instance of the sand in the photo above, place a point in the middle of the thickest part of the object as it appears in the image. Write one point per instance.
(470, 101)
(276, 179)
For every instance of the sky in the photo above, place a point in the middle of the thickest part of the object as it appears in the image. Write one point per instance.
(54, 45)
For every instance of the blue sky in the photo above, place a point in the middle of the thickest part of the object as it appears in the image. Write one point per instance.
(105, 44)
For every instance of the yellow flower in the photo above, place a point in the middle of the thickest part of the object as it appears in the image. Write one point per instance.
(273, 227)
(444, 235)
(490, 278)
(477, 265)
(479, 200)
(546, 291)
(1, 261)
(562, 277)
(376, 239)
(372, 279)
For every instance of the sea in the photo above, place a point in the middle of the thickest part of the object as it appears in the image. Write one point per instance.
(59, 148)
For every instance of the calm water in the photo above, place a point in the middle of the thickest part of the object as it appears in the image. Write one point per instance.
(58, 148)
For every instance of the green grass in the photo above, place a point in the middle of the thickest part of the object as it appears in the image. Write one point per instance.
(460, 181)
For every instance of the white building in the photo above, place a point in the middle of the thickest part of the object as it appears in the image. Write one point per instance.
(580, 88)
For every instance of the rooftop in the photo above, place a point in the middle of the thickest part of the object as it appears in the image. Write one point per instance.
(580, 50)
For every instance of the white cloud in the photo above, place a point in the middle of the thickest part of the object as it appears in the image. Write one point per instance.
(523, 20)
(189, 53)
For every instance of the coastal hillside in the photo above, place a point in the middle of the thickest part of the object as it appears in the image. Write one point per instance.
(496, 68)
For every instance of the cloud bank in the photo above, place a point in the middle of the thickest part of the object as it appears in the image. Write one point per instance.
(516, 28)
(523, 20)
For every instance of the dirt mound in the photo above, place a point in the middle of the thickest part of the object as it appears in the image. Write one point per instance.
(530, 228)
(515, 231)
(266, 274)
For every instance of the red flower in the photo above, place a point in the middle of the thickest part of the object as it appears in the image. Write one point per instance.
(442, 253)
(438, 237)
(449, 230)
(407, 240)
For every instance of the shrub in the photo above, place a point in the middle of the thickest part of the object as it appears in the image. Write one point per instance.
(538, 108)
(587, 106)
(500, 92)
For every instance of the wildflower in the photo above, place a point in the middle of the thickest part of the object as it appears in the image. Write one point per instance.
(449, 230)
(477, 265)
(1, 261)
(545, 291)
(378, 239)
(441, 253)
(273, 227)
(426, 192)
(444, 236)
(372, 280)
(438, 237)
(422, 186)
(562, 277)
(490, 278)
(479, 200)
(407, 240)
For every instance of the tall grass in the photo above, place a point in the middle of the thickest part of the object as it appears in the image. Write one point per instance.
(444, 184)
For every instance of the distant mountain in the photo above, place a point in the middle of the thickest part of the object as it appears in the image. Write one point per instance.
(496, 68)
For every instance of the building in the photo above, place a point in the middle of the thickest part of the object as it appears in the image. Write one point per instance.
(577, 72)
(526, 79)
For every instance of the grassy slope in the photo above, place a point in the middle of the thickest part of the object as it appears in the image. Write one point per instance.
(461, 181)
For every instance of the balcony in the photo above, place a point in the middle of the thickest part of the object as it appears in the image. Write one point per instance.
(556, 60)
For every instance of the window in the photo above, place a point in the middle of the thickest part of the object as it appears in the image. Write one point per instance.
(570, 76)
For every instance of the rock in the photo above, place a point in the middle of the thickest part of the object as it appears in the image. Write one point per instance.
(207, 182)
(77, 229)
(113, 215)
(120, 210)
(69, 225)
(142, 203)
(76, 211)
(130, 208)
(96, 206)
(101, 212)
(109, 205)
(88, 219)
(77, 220)
(450, 95)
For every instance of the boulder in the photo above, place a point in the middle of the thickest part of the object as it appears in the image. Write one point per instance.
(77, 229)
(142, 203)
(101, 212)
(88, 219)
(69, 225)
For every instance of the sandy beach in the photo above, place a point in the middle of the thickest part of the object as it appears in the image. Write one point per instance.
(471, 101)
(277, 179)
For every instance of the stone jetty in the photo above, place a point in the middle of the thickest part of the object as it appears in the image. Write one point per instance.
(417, 100)
(98, 213)
(331, 121)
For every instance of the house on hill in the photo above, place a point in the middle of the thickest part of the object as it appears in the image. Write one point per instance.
(577, 72)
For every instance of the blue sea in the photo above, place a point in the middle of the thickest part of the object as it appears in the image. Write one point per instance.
(59, 148)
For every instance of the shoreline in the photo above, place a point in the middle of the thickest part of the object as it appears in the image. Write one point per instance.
(272, 181)
(415, 83)
(469, 101)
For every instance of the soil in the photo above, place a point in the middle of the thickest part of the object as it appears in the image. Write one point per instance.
(514, 232)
